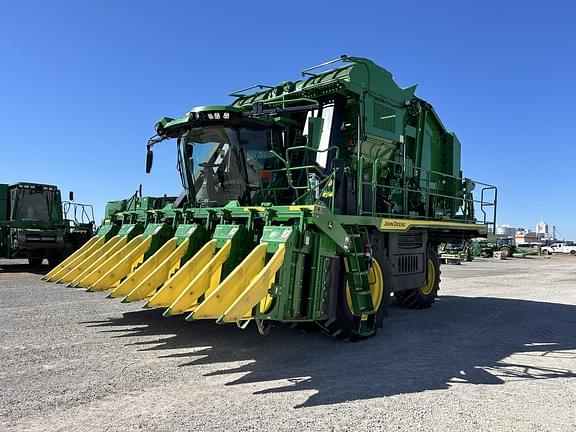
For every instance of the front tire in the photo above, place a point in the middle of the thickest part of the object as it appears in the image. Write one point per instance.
(343, 325)
(35, 262)
(55, 258)
(425, 296)
(506, 251)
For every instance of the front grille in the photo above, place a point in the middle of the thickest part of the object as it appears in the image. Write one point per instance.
(408, 264)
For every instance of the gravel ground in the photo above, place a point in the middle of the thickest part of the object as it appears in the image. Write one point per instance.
(496, 352)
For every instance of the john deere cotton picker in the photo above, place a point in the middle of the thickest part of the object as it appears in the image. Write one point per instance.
(306, 202)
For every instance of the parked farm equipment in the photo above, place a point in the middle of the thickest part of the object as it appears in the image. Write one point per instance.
(35, 223)
(305, 202)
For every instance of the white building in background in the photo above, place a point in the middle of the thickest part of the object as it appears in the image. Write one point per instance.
(506, 230)
(525, 237)
(542, 228)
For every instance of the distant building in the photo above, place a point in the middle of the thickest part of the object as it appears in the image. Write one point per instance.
(505, 231)
(542, 228)
(526, 237)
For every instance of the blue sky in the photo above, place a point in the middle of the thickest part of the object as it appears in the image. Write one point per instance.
(82, 84)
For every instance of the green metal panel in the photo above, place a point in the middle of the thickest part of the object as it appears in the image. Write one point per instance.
(160, 233)
(57, 213)
(454, 142)
(4, 202)
(113, 207)
(107, 231)
(196, 235)
(383, 119)
(360, 76)
(131, 230)
(242, 243)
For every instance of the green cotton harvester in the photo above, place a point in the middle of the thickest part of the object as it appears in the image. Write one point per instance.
(307, 202)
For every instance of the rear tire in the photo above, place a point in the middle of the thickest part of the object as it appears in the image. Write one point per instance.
(573, 252)
(506, 251)
(425, 296)
(342, 326)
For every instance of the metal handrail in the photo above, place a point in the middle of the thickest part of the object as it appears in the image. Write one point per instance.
(306, 71)
(289, 170)
(258, 86)
(424, 188)
(86, 212)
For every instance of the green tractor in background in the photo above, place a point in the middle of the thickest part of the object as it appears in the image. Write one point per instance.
(485, 247)
(35, 223)
(310, 201)
(455, 252)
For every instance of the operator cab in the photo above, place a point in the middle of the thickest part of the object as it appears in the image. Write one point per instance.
(226, 154)
(32, 202)
(219, 164)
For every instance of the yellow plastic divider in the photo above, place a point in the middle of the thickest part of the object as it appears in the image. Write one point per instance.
(108, 248)
(256, 291)
(74, 259)
(123, 263)
(174, 286)
(142, 272)
(156, 278)
(106, 262)
(206, 280)
(223, 296)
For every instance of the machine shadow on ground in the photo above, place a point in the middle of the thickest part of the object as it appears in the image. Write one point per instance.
(460, 340)
(23, 267)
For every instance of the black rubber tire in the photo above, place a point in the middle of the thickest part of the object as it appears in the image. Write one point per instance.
(414, 298)
(572, 252)
(341, 327)
(35, 262)
(506, 251)
(55, 259)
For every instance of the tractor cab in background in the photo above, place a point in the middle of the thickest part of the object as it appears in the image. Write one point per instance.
(35, 223)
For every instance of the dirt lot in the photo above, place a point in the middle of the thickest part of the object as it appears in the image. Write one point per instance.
(497, 352)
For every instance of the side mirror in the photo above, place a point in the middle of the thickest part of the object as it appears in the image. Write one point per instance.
(70, 196)
(149, 160)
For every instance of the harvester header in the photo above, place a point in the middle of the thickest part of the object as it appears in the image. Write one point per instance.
(306, 202)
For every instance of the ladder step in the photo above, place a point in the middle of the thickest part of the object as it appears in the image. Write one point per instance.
(361, 291)
(358, 274)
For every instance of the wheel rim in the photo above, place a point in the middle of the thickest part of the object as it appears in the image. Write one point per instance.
(376, 281)
(429, 286)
